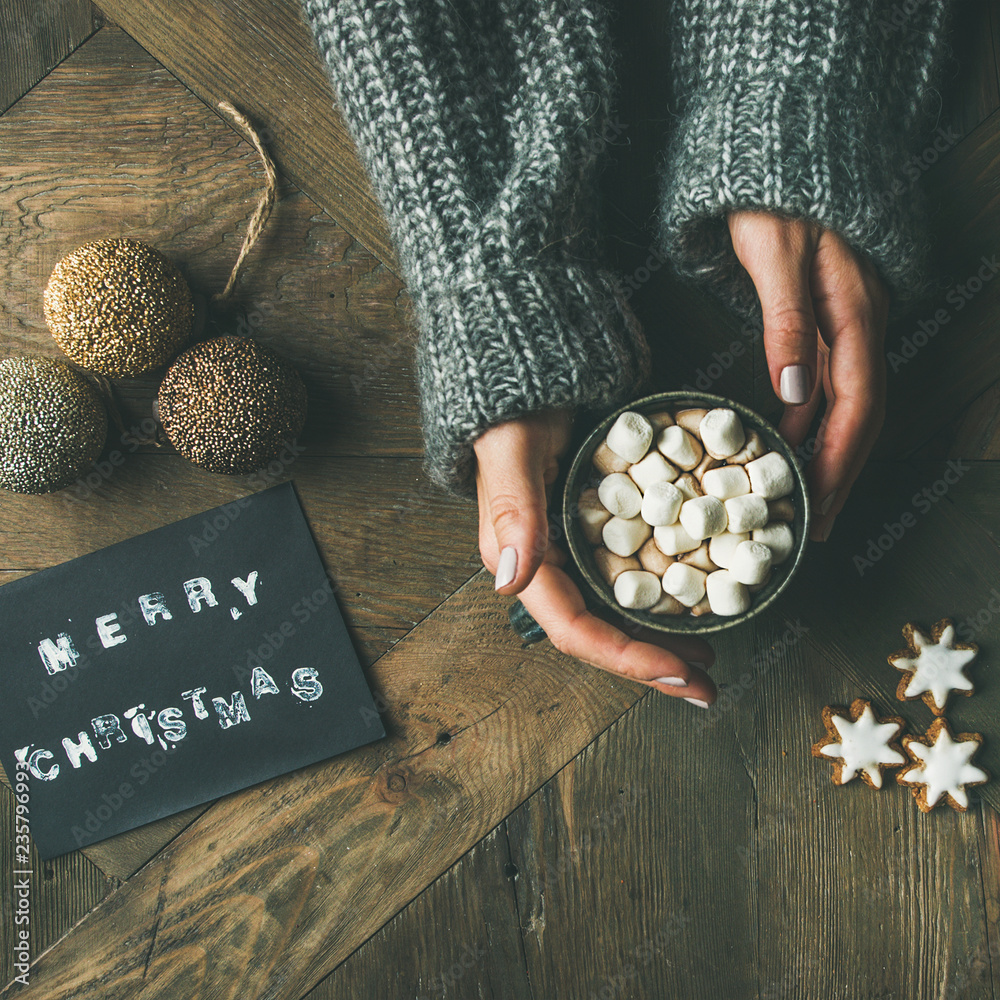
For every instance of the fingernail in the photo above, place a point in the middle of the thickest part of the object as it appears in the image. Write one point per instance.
(827, 530)
(794, 384)
(695, 701)
(506, 567)
(674, 682)
(824, 507)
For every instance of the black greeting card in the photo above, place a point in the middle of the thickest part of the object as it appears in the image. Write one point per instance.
(172, 668)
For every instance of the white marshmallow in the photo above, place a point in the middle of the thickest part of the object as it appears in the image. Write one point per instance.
(654, 468)
(667, 605)
(620, 495)
(661, 503)
(686, 583)
(700, 558)
(703, 607)
(751, 562)
(630, 436)
(637, 589)
(625, 535)
(606, 461)
(722, 547)
(747, 512)
(610, 566)
(721, 433)
(593, 515)
(771, 476)
(727, 482)
(726, 595)
(752, 448)
(703, 517)
(778, 537)
(672, 539)
(660, 420)
(680, 447)
(690, 419)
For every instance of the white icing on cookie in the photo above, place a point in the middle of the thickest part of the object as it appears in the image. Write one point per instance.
(937, 667)
(864, 745)
(945, 768)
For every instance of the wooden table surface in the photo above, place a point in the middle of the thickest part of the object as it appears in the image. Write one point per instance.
(530, 827)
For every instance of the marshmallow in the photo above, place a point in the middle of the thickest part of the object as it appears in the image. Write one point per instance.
(652, 558)
(686, 583)
(593, 515)
(660, 420)
(704, 465)
(778, 537)
(746, 513)
(726, 595)
(727, 482)
(722, 547)
(672, 539)
(703, 607)
(637, 589)
(691, 419)
(703, 517)
(610, 566)
(680, 447)
(620, 495)
(654, 468)
(667, 605)
(771, 476)
(661, 503)
(753, 448)
(625, 535)
(721, 433)
(780, 510)
(606, 461)
(751, 562)
(689, 486)
(699, 558)
(630, 436)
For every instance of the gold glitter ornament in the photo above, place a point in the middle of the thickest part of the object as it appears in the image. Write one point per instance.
(230, 405)
(52, 424)
(118, 307)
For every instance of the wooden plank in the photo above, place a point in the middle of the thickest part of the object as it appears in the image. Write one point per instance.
(422, 952)
(203, 919)
(175, 175)
(35, 36)
(260, 56)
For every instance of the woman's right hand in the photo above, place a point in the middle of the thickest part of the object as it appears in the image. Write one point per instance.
(515, 462)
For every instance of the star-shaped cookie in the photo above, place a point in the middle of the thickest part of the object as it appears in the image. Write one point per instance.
(943, 766)
(859, 743)
(933, 667)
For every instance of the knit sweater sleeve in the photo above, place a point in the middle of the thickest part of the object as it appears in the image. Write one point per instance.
(808, 108)
(479, 123)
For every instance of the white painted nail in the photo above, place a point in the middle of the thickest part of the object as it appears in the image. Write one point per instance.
(674, 682)
(794, 384)
(506, 567)
(824, 507)
(696, 701)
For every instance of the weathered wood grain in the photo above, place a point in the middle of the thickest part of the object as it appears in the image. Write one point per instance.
(423, 953)
(36, 35)
(260, 55)
(76, 164)
(212, 914)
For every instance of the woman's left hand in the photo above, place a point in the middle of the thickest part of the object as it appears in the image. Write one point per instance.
(824, 311)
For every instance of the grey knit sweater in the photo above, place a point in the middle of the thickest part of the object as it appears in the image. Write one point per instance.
(480, 123)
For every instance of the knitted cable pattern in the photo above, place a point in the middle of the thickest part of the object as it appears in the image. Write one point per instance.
(808, 108)
(480, 123)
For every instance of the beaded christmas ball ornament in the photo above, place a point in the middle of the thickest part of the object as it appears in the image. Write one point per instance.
(52, 424)
(118, 307)
(230, 405)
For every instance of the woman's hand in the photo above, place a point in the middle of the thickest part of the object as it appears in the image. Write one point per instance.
(515, 462)
(824, 312)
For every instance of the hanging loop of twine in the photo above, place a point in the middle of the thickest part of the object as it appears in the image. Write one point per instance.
(264, 206)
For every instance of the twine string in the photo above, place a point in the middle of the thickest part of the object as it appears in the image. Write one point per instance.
(264, 206)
